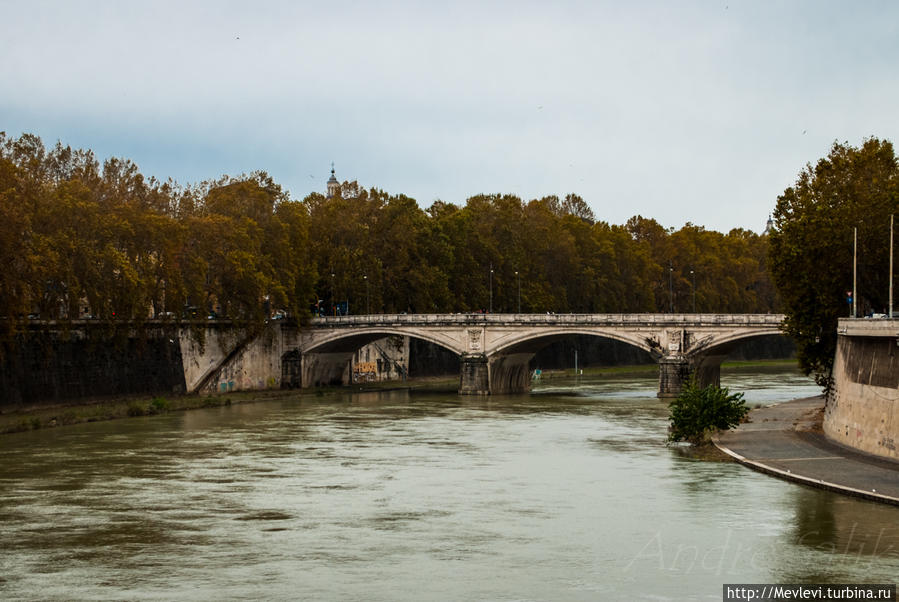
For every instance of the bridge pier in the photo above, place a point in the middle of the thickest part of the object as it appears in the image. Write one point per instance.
(474, 378)
(707, 370)
(676, 370)
(509, 373)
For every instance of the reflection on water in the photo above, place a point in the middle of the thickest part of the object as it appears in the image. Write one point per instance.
(567, 494)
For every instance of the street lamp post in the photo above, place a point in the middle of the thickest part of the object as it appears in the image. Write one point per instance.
(518, 278)
(491, 289)
(890, 315)
(670, 289)
(333, 300)
(367, 296)
(693, 274)
(854, 270)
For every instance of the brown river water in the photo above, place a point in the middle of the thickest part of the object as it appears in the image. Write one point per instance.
(569, 493)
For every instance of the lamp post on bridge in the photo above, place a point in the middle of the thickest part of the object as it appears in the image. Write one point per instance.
(854, 269)
(367, 296)
(518, 277)
(693, 275)
(890, 310)
(333, 299)
(670, 288)
(491, 289)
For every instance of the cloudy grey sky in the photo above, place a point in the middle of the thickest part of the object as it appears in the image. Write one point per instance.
(683, 111)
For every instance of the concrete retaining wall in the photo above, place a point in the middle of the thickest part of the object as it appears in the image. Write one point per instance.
(49, 365)
(93, 359)
(863, 410)
(234, 360)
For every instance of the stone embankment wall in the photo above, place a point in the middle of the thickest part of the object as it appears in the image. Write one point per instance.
(863, 410)
(46, 365)
(91, 360)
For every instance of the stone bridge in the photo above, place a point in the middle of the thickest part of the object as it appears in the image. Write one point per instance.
(495, 348)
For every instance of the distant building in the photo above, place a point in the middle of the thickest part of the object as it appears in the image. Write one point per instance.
(769, 225)
(333, 184)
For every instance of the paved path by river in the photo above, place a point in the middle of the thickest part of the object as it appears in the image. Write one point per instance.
(785, 440)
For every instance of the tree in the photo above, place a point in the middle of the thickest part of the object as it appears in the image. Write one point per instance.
(15, 249)
(811, 247)
(699, 411)
(578, 207)
(81, 235)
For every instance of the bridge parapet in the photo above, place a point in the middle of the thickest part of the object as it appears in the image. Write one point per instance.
(561, 319)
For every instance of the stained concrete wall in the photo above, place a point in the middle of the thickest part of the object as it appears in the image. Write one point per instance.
(233, 359)
(863, 410)
(203, 352)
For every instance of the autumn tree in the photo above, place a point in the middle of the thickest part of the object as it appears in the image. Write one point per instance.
(85, 235)
(811, 253)
(15, 249)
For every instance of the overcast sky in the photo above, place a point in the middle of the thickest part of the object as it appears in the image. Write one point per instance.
(696, 112)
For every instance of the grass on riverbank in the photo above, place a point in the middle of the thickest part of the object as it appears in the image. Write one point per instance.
(33, 418)
(19, 420)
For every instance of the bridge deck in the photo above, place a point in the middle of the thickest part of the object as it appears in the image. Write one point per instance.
(677, 320)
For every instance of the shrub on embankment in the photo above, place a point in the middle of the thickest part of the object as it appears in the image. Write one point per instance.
(700, 411)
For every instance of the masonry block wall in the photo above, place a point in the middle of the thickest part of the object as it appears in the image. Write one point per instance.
(46, 367)
(863, 410)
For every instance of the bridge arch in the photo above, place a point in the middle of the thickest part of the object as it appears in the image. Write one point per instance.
(509, 359)
(324, 357)
(495, 349)
(524, 342)
(341, 340)
(726, 341)
(703, 358)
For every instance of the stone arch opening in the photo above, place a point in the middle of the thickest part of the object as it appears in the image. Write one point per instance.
(755, 346)
(510, 367)
(704, 363)
(533, 342)
(330, 361)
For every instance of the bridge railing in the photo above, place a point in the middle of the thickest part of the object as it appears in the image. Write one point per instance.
(671, 320)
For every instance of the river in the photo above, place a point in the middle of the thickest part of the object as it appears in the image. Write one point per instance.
(569, 493)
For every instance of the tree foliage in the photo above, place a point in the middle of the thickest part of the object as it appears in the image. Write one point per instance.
(555, 252)
(811, 248)
(84, 237)
(700, 411)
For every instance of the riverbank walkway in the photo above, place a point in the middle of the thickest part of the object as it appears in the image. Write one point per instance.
(786, 441)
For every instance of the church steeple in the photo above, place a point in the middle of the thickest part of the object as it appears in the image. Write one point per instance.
(333, 184)
(769, 225)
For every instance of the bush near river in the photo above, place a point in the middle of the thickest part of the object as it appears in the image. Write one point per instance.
(700, 411)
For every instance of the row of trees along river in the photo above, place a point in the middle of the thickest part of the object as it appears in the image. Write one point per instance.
(85, 237)
(80, 237)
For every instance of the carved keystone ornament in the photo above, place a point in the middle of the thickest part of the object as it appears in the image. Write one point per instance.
(474, 339)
